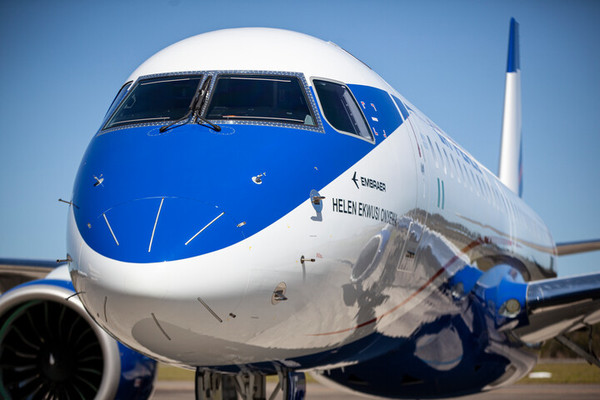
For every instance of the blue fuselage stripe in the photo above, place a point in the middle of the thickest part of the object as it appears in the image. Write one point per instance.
(201, 173)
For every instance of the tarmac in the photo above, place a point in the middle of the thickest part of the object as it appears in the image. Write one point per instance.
(185, 391)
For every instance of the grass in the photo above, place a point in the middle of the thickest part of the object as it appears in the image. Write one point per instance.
(568, 372)
(169, 373)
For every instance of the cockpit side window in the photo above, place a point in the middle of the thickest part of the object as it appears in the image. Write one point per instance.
(156, 100)
(118, 99)
(267, 98)
(341, 109)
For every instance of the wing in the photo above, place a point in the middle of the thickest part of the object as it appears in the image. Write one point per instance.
(577, 247)
(14, 272)
(560, 305)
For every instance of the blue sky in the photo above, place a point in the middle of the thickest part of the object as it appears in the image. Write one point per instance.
(63, 62)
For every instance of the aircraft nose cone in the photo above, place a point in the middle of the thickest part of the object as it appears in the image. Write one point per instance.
(161, 229)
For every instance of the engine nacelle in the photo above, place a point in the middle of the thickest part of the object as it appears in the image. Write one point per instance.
(51, 348)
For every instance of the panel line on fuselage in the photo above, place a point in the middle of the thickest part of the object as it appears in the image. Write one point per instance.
(110, 228)
(206, 226)
(155, 223)
(160, 327)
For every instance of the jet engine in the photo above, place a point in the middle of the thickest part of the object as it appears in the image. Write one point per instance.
(50, 348)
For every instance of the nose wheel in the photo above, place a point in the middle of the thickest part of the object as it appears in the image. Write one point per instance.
(211, 385)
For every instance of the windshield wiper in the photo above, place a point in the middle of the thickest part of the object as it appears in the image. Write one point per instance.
(193, 114)
(186, 117)
(198, 118)
(202, 98)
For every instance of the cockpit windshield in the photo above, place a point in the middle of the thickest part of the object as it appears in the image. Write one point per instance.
(156, 100)
(267, 98)
(242, 98)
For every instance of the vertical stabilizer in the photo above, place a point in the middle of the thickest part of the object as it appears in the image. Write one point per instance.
(510, 171)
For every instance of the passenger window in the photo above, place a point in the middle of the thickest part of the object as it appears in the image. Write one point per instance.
(269, 98)
(341, 110)
(441, 158)
(156, 100)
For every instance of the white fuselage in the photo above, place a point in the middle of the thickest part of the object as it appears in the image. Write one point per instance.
(373, 257)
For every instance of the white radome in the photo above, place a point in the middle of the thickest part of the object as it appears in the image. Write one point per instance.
(260, 49)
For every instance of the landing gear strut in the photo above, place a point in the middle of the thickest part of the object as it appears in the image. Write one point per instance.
(210, 385)
(587, 354)
(214, 386)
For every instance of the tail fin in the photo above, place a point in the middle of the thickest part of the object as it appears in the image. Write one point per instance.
(510, 171)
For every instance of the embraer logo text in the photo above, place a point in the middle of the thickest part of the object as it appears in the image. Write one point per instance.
(368, 182)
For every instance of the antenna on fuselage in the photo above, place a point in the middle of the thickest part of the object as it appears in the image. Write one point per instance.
(510, 170)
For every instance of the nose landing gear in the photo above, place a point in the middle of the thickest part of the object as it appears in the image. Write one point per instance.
(211, 385)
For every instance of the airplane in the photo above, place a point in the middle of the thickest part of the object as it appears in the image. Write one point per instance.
(260, 202)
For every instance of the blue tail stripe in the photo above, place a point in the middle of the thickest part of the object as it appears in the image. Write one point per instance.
(514, 62)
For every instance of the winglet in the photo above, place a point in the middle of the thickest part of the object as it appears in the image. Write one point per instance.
(510, 171)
